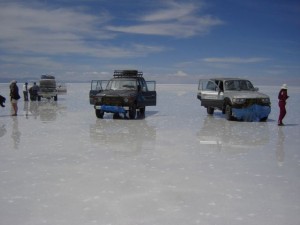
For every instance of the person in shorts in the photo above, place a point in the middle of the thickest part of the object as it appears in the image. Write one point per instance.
(14, 97)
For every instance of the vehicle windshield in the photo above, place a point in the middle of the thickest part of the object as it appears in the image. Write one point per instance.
(121, 85)
(238, 85)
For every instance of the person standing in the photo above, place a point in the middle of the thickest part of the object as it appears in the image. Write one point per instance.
(14, 96)
(25, 91)
(282, 97)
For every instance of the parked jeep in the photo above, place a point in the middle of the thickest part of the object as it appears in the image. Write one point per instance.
(126, 93)
(47, 87)
(236, 98)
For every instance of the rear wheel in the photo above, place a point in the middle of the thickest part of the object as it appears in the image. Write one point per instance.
(210, 110)
(264, 119)
(228, 112)
(99, 113)
(55, 98)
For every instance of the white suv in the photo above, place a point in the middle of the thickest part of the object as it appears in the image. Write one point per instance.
(236, 98)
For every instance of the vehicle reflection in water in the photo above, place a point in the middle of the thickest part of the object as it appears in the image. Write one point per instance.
(231, 136)
(16, 134)
(280, 146)
(123, 137)
(45, 110)
(2, 130)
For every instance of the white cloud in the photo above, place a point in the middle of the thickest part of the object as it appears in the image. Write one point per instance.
(235, 60)
(178, 20)
(63, 31)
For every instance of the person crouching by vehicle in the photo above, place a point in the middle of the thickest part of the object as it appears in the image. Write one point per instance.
(282, 97)
(33, 91)
(14, 96)
(2, 101)
(25, 91)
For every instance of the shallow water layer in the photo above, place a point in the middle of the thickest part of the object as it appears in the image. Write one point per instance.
(59, 164)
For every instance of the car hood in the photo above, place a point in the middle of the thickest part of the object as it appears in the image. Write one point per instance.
(245, 94)
(121, 93)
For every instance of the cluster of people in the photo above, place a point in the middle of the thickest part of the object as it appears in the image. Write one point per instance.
(33, 91)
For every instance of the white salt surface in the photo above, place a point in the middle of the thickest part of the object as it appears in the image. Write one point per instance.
(60, 165)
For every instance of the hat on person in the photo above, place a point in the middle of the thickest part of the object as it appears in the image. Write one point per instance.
(284, 86)
(13, 82)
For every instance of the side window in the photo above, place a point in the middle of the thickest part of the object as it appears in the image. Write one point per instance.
(150, 85)
(211, 86)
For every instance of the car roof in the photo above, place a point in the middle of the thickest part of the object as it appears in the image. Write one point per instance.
(227, 78)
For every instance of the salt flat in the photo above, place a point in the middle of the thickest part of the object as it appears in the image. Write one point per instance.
(61, 165)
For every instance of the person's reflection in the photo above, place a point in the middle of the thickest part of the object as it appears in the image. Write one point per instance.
(33, 108)
(26, 109)
(280, 146)
(16, 134)
(2, 130)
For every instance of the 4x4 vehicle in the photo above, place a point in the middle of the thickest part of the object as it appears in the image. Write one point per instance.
(47, 88)
(236, 98)
(126, 92)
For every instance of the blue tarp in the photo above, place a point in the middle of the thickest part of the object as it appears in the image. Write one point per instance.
(113, 109)
(252, 113)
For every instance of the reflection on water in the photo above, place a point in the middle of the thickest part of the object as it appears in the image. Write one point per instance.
(221, 134)
(2, 130)
(16, 134)
(126, 137)
(45, 110)
(280, 146)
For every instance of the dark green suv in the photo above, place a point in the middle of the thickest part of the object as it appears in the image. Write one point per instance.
(126, 93)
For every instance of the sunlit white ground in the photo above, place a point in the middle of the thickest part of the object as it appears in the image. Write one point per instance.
(60, 165)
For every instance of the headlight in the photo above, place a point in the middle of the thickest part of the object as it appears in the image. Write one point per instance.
(265, 100)
(238, 100)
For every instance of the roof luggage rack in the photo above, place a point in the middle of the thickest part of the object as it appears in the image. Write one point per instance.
(127, 73)
(47, 77)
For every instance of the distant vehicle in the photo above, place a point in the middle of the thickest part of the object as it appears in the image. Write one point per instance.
(61, 87)
(47, 87)
(236, 98)
(126, 92)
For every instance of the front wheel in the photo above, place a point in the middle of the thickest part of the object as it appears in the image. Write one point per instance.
(228, 112)
(210, 110)
(99, 113)
(132, 112)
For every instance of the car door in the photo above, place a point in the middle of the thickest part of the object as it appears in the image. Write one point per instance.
(97, 86)
(148, 92)
(209, 93)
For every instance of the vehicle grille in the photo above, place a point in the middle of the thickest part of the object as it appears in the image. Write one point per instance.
(253, 101)
(116, 101)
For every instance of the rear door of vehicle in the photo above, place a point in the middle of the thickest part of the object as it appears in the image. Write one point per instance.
(149, 93)
(210, 94)
(97, 86)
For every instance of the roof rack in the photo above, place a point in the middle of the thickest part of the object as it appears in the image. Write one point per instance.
(46, 76)
(127, 73)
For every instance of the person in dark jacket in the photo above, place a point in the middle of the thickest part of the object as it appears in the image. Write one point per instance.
(282, 97)
(14, 96)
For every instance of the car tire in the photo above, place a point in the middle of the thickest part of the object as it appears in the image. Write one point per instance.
(132, 112)
(142, 111)
(228, 112)
(264, 119)
(99, 113)
(210, 110)
(55, 98)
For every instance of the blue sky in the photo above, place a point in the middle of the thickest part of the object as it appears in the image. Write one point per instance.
(170, 41)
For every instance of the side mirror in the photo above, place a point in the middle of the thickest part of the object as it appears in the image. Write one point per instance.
(256, 89)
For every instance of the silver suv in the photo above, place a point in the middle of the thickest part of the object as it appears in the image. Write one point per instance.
(237, 98)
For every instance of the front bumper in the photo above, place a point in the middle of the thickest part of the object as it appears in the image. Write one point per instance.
(251, 113)
(112, 109)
